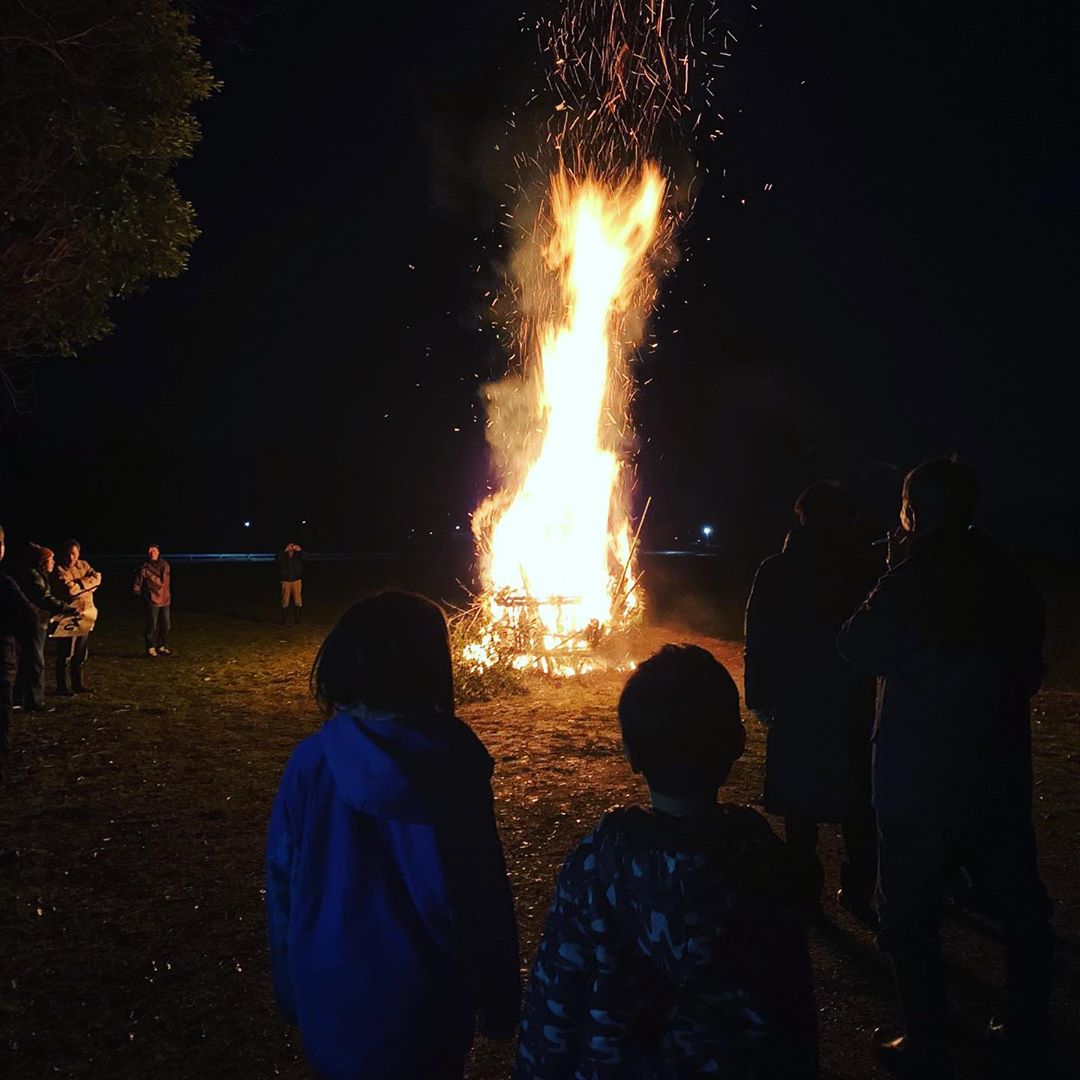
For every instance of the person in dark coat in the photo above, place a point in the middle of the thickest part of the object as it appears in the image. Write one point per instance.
(392, 931)
(30, 681)
(675, 945)
(817, 708)
(18, 627)
(955, 630)
(290, 563)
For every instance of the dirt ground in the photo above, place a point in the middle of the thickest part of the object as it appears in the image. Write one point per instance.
(131, 925)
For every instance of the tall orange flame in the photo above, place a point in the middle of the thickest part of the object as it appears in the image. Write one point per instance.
(558, 555)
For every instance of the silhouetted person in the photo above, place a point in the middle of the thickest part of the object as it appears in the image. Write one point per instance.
(153, 582)
(956, 632)
(819, 710)
(291, 570)
(391, 924)
(18, 628)
(74, 580)
(30, 682)
(672, 947)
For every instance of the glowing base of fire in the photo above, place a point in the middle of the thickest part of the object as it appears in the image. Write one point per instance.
(545, 635)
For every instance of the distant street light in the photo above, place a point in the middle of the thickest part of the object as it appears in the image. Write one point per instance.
(247, 524)
(706, 531)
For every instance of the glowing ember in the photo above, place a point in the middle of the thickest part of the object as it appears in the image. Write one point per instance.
(557, 560)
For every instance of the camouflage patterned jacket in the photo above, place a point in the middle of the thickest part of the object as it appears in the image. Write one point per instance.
(671, 951)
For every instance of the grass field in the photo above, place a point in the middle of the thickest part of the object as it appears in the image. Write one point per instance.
(131, 925)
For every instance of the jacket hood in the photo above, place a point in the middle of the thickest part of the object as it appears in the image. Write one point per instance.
(408, 768)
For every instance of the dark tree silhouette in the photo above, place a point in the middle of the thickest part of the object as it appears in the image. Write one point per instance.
(95, 111)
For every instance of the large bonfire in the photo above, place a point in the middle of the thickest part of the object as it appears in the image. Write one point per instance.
(556, 544)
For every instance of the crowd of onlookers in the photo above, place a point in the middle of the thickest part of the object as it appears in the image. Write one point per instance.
(44, 596)
(43, 599)
(896, 703)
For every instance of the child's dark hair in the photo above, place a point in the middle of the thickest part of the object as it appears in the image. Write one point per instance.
(680, 720)
(389, 653)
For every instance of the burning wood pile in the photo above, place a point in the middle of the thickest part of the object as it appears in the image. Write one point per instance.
(549, 634)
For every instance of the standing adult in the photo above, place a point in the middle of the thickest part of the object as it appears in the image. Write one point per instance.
(819, 711)
(75, 580)
(18, 625)
(956, 632)
(153, 582)
(290, 562)
(30, 681)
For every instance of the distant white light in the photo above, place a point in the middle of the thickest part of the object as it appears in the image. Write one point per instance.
(706, 531)
(304, 522)
(247, 524)
(457, 528)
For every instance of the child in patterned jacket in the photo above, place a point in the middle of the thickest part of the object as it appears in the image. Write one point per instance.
(674, 946)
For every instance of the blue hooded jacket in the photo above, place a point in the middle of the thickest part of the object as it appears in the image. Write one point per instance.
(390, 917)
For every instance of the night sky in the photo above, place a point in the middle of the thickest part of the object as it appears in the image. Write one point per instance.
(904, 288)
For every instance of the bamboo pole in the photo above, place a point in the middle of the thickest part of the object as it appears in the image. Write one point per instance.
(630, 556)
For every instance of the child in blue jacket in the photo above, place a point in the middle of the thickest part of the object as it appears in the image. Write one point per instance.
(391, 923)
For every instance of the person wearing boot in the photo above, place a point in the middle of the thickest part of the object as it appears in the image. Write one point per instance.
(818, 710)
(30, 682)
(18, 625)
(74, 580)
(955, 630)
(290, 562)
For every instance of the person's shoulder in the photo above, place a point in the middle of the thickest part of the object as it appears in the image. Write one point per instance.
(619, 818)
(610, 831)
(9, 584)
(745, 820)
(465, 742)
(307, 751)
(770, 575)
(762, 862)
(636, 831)
(307, 757)
(743, 833)
(902, 573)
(625, 830)
(865, 567)
(1001, 559)
(773, 564)
(613, 826)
